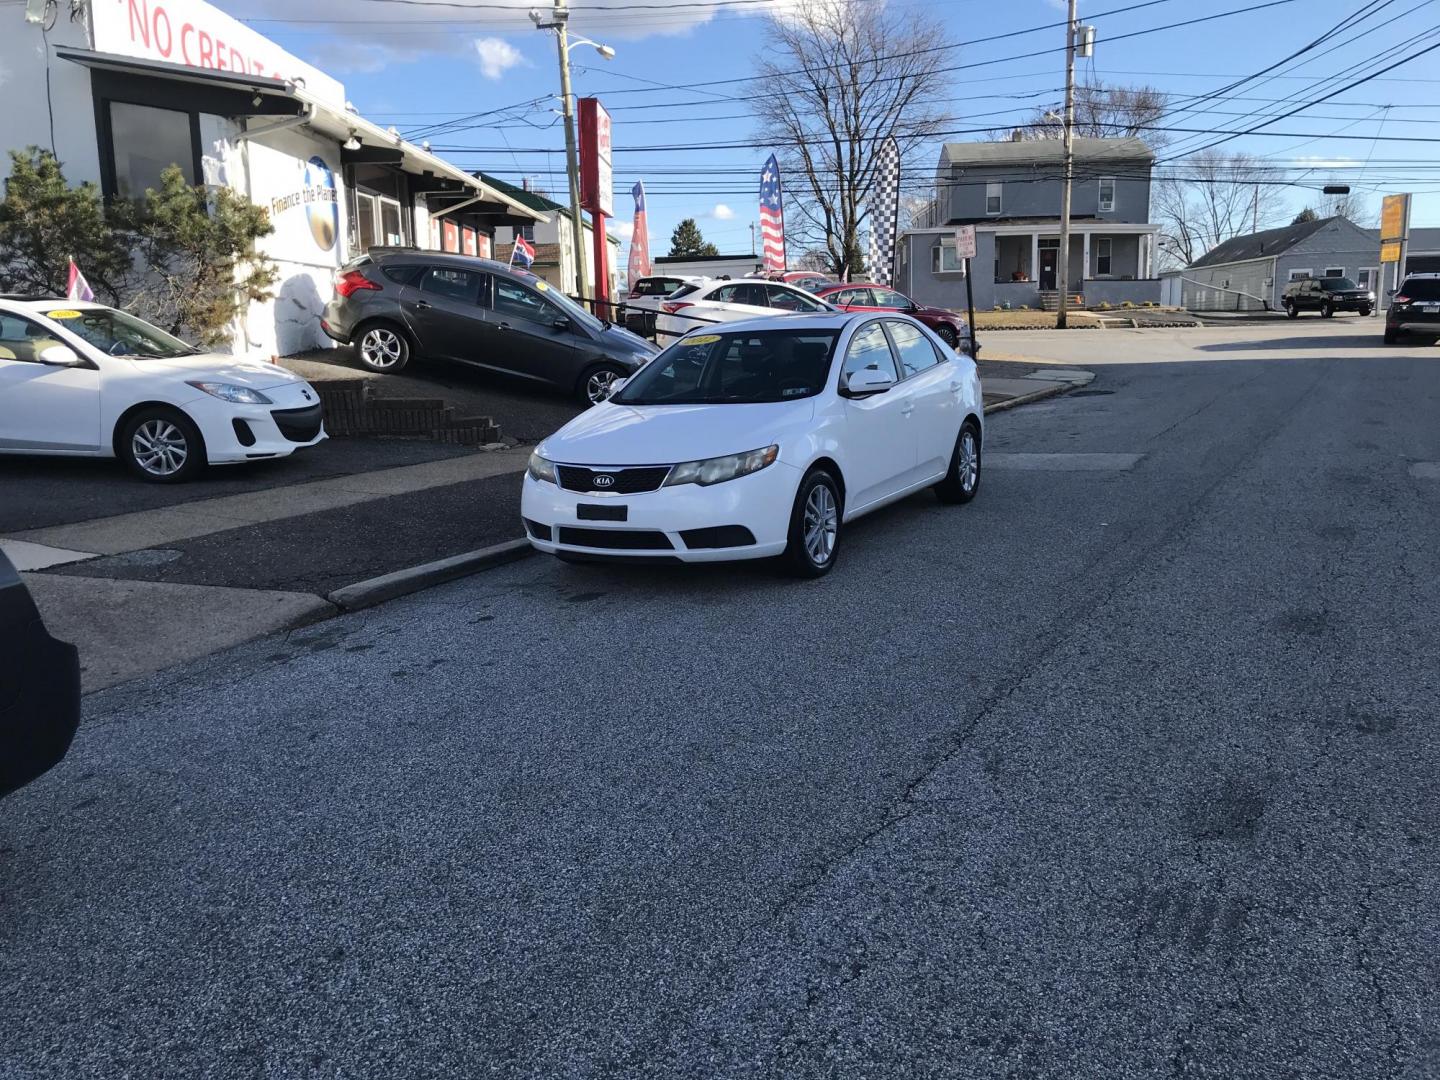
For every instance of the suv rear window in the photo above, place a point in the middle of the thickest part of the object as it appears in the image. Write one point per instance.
(1421, 288)
(402, 275)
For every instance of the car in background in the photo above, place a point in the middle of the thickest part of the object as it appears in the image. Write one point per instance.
(81, 379)
(39, 687)
(699, 306)
(1326, 295)
(760, 438)
(867, 296)
(1414, 307)
(638, 311)
(398, 304)
(809, 280)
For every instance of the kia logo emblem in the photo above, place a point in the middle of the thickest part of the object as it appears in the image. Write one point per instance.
(603, 480)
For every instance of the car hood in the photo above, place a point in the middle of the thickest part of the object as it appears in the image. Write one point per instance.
(217, 367)
(621, 340)
(618, 434)
(936, 313)
(1350, 294)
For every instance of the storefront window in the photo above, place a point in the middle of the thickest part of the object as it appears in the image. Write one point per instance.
(365, 221)
(146, 141)
(390, 227)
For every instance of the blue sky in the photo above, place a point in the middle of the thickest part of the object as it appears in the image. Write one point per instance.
(415, 66)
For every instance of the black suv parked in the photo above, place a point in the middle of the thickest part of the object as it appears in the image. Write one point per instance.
(1414, 308)
(1326, 295)
(394, 304)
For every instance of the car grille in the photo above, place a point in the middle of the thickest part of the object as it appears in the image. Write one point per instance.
(617, 539)
(625, 481)
(298, 425)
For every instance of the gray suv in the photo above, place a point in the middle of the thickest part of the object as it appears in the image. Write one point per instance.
(397, 304)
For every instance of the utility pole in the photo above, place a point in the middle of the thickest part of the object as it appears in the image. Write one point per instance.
(752, 238)
(572, 161)
(1255, 213)
(1062, 268)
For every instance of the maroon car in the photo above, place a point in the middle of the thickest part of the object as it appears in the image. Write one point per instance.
(865, 296)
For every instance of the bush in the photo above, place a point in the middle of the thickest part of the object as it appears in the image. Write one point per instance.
(1103, 305)
(1128, 304)
(197, 268)
(1152, 303)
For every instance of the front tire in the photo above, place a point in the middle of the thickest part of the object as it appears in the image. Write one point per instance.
(814, 537)
(1291, 310)
(1391, 336)
(597, 382)
(962, 481)
(949, 336)
(161, 445)
(1328, 311)
(382, 348)
(1364, 311)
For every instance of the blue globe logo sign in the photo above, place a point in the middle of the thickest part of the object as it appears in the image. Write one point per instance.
(322, 206)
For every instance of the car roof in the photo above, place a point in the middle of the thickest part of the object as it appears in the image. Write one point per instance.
(802, 320)
(854, 285)
(39, 305)
(419, 256)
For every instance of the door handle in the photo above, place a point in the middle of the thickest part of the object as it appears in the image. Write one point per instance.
(954, 386)
(503, 326)
(907, 410)
(423, 305)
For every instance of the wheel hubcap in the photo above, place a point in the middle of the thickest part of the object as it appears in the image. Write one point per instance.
(160, 448)
(380, 348)
(822, 522)
(969, 461)
(599, 385)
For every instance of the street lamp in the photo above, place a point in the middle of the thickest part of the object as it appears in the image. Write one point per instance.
(558, 20)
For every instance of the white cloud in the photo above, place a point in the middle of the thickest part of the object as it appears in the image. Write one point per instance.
(1315, 161)
(722, 212)
(623, 229)
(497, 57)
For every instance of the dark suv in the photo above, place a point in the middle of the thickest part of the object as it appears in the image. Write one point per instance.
(396, 304)
(1326, 295)
(1414, 308)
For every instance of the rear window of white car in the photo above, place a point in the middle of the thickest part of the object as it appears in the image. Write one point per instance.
(735, 368)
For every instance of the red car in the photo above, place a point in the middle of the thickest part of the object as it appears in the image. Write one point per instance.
(867, 296)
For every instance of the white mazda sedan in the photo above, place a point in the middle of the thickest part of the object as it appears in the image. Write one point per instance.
(84, 380)
(760, 438)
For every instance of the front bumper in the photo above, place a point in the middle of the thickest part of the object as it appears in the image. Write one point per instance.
(235, 433)
(656, 521)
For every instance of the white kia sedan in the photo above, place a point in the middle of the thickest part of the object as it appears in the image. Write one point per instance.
(760, 438)
(85, 380)
(696, 306)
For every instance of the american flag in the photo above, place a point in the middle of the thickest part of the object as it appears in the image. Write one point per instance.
(639, 265)
(772, 216)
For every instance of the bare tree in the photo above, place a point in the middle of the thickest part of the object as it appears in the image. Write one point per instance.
(1211, 197)
(839, 79)
(1101, 112)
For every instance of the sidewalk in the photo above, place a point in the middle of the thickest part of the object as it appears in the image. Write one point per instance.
(143, 590)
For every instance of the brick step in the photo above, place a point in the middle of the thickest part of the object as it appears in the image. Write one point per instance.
(352, 408)
(1050, 300)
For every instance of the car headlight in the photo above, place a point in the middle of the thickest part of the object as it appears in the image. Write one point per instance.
(240, 395)
(718, 470)
(541, 469)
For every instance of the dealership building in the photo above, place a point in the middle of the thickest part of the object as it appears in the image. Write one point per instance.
(121, 89)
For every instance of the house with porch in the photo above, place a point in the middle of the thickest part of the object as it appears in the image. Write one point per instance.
(1011, 192)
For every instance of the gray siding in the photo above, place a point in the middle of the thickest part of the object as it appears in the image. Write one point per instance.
(1115, 293)
(917, 280)
(1218, 288)
(1035, 191)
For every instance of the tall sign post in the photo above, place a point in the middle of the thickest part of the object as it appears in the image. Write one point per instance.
(965, 249)
(597, 192)
(1394, 238)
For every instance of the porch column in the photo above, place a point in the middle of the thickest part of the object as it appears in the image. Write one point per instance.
(1084, 257)
(1035, 257)
(1147, 255)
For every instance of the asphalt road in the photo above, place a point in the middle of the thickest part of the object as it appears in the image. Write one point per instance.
(1127, 769)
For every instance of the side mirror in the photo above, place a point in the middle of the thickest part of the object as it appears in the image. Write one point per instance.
(1389, 292)
(60, 356)
(560, 322)
(865, 382)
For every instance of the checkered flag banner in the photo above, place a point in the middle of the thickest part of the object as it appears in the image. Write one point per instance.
(884, 212)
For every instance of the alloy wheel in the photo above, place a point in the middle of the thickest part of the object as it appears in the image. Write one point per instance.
(822, 522)
(160, 448)
(969, 464)
(599, 385)
(381, 348)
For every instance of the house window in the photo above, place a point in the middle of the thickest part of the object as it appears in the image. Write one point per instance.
(144, 141)
(1297, 275)
(992, 198)
(1107, 194)
(1335, 271)
(943, 260)
(1102, 257)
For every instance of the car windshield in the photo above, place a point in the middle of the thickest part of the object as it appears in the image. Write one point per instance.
(735, 369)
(571, 308)
(119, 334)
(1330, 284)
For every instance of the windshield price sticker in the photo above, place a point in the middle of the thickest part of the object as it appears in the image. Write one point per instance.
(703, 339)
(541, 285)
(66, 314)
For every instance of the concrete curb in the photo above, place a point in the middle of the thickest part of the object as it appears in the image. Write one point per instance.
(364, 594)
(1034, 395)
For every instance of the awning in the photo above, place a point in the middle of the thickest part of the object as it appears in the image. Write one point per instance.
(257, 95)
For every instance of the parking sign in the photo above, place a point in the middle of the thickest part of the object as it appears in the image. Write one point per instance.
(965, 242)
